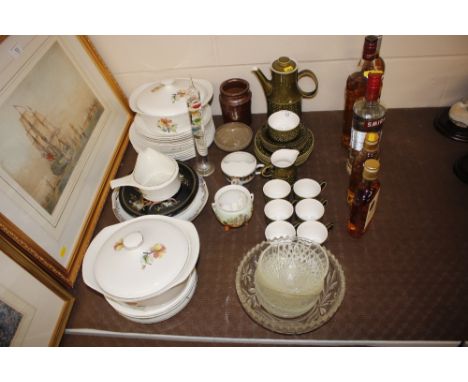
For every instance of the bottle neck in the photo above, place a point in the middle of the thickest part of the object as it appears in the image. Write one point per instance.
(373, 87)
(370, 48)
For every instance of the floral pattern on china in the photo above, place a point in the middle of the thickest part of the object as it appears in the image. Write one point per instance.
(155, 252)
(167, 125)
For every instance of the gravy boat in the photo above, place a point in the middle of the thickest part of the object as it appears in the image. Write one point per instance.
(156, 175)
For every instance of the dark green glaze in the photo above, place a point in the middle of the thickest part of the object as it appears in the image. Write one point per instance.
(282, 91)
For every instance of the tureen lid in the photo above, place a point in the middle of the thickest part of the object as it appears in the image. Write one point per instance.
(167, 97)
(141, 258)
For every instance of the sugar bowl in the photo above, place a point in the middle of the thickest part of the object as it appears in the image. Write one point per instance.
(233, 205)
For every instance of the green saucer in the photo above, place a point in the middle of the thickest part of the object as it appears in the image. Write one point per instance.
(263, 155)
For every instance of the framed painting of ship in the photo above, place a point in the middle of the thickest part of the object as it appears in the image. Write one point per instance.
(63, 131)
(34, 307)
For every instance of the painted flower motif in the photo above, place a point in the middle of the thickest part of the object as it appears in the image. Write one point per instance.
(118, 245)
(167, 125)
(180, 94)
(155, 252)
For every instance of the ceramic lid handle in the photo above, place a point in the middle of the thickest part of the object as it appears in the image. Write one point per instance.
(133, 240)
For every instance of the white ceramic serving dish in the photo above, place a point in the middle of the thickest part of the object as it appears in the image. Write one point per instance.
(134, 276)
(156, 175)
(162, 104)
(164, 306)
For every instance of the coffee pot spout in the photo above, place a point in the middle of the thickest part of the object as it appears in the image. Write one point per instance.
(265, 82)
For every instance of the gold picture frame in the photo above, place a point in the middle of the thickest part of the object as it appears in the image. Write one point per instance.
(64, 124)
(34, 307)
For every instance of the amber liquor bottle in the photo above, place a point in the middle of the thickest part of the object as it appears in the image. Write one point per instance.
(368, 116)
(370, 151)
(356, 85)
(379, 63)
(365, 199)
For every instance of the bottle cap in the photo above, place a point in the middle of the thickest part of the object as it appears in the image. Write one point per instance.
(371, 169)
(374, 81)
(370, 47)
(371, 142)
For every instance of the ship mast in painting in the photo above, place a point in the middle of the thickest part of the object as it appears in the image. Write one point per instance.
(48, 139)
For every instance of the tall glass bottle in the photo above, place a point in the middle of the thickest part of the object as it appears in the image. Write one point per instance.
(365, 200)
(379, 63)
(356, 85)
(368, 116)
(369, 151)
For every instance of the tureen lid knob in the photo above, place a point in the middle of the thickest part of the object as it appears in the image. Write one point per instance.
(132, 240)
(167, 81)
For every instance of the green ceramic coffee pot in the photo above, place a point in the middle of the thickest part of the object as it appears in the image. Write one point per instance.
(282, 91)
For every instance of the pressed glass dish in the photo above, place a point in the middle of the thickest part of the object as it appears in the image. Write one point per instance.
(326, 306)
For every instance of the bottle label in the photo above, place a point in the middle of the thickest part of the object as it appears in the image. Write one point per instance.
(357, 139)
(371, 209)
(375, 124)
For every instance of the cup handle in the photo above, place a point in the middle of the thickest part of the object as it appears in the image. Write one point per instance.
(323, 184)
(267, 171)
(259, 166)
(252, 197)
(323, 201)
(310, 74)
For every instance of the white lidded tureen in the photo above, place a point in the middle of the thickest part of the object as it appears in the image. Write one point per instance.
(145, 267)
(162, 104)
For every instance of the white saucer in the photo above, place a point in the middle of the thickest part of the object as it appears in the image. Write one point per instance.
(189, 214)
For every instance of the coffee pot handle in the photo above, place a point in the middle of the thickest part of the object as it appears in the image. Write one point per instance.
(310, 74)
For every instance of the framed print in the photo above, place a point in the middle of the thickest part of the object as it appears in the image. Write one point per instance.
(34, 308)
(63, 131)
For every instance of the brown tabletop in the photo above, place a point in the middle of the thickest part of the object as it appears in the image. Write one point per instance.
(406, 278)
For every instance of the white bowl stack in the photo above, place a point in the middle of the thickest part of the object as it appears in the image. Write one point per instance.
(162, 121)
(145, 267)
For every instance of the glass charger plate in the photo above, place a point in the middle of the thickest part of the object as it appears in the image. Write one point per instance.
(328, 303)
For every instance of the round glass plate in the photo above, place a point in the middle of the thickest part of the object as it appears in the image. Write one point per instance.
(233, 136)
(328, 303)
(132, 200)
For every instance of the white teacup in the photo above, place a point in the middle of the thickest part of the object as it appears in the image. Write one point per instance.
(310, 209)
(279, 228)
(276, 189)
(308, 188)
(240, 167)
(278, 209)
(313, 230)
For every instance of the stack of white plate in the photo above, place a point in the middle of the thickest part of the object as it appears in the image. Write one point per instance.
(145, 267)
(179, 146)
(162, 119)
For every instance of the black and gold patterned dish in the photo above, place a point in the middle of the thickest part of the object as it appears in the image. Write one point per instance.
(134, 204)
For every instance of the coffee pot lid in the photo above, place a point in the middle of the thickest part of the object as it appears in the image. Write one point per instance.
(284, 65)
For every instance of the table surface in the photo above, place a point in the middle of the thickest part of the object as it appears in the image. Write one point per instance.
(406, 278)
